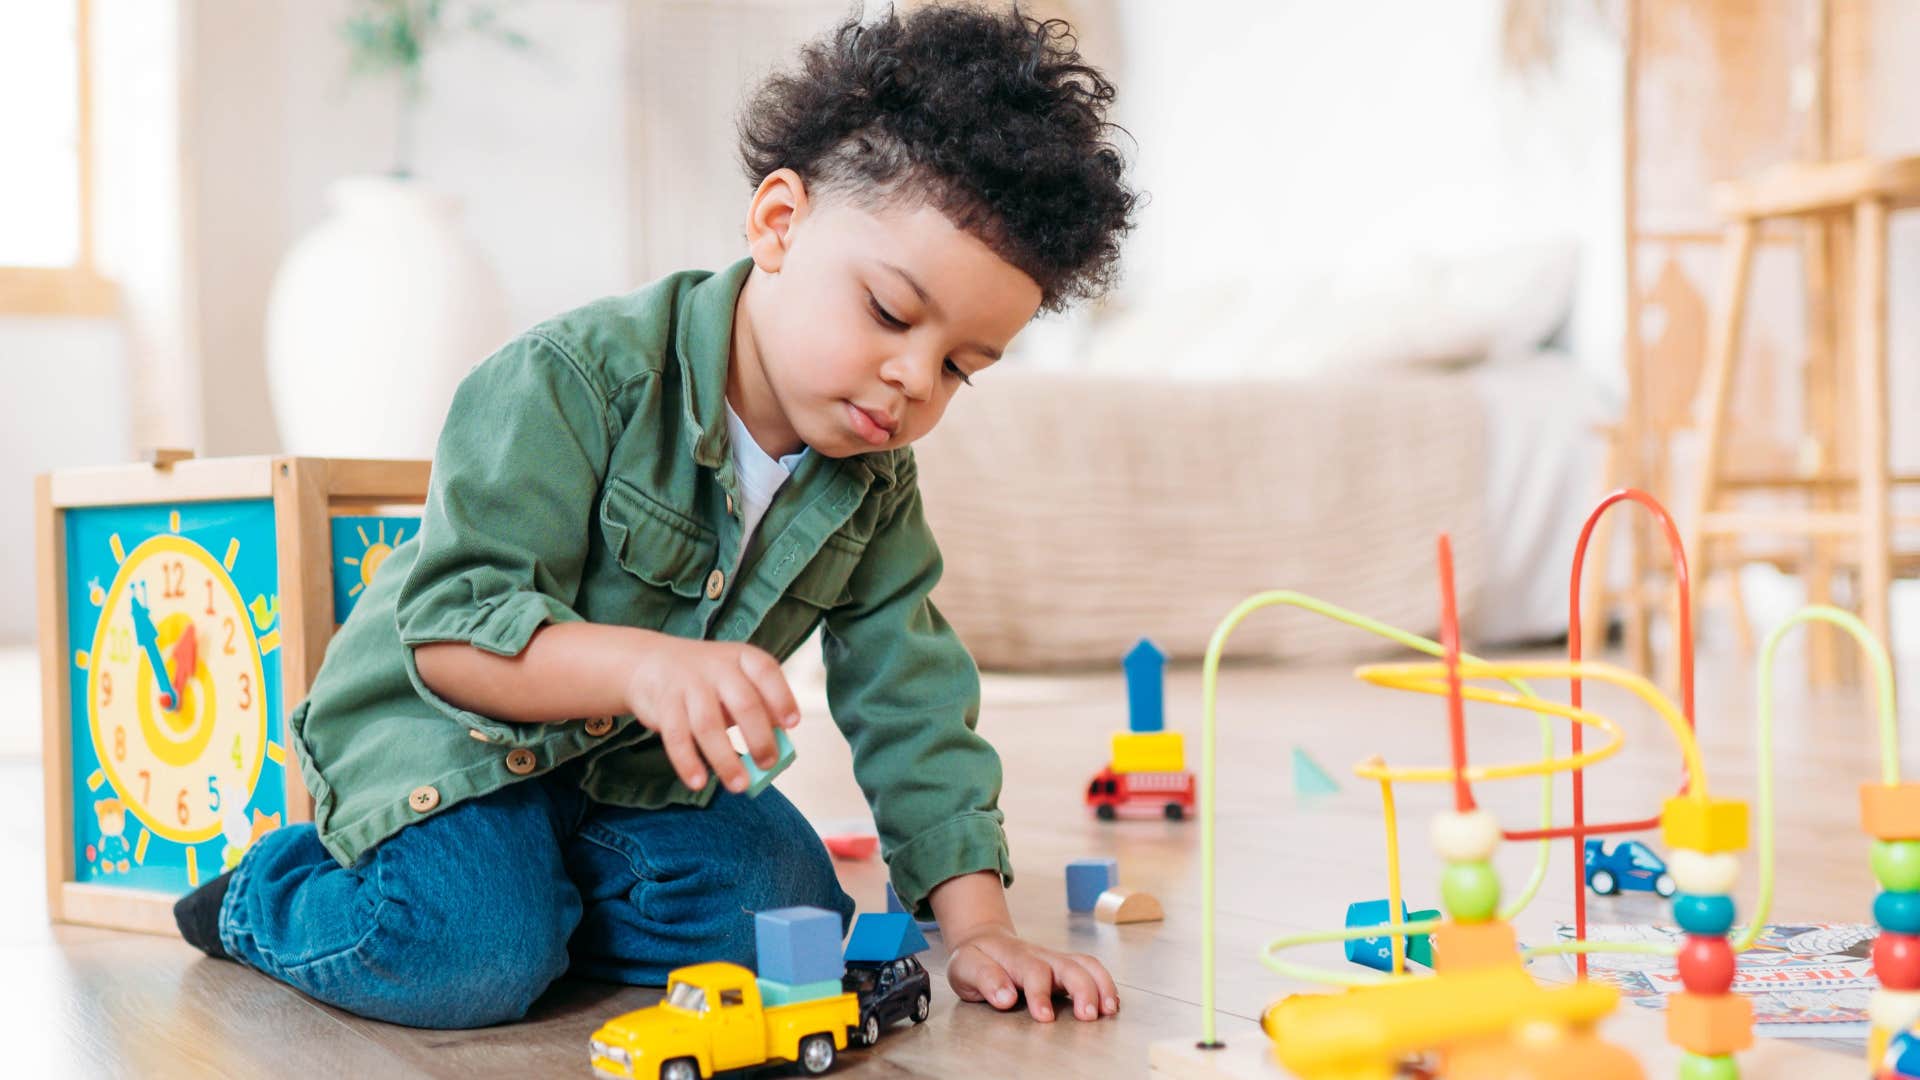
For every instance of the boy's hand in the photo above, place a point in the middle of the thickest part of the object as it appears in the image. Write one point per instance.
(692, 691)
(994, 965)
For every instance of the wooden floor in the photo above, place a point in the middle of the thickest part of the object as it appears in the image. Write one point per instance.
(89, 1002)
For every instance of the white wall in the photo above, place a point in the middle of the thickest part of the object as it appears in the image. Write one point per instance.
(71, 391)
(1278, 138)
(1274, 138)
(219, 125)
(532, 143)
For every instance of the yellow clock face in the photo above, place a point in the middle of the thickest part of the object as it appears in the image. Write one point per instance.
(173, 620)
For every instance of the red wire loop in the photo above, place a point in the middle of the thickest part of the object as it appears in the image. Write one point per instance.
(1580, 830)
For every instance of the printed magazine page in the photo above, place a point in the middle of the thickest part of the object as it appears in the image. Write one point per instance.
(1807, 981)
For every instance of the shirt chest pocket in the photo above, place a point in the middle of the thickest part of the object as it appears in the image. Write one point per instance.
(664, 555)
(823, 584)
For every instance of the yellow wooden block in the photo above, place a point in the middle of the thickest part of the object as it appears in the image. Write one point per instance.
(1149, 751)
(1890, 811)
(1474, 946)
(1710, 1024)
(1713, 826)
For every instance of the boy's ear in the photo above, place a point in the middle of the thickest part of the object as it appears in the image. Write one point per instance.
(777, 206)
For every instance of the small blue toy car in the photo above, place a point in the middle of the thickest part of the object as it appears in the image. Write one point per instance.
(1628, 866)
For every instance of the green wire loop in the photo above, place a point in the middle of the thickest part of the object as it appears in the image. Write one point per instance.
(1209, 686)
(1889, 739)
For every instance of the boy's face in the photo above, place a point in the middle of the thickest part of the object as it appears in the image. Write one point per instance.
(867, 321)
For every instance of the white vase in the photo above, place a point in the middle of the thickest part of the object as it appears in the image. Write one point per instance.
(374, 318)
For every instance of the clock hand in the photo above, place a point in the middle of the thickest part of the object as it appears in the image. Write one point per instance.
(148, 639)
(186, 656)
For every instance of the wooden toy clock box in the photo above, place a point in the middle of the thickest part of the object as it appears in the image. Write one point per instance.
(184, 607)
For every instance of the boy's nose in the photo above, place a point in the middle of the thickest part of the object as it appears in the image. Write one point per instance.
(914, 376)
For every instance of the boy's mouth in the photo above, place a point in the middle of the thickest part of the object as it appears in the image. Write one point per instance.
(875, 427)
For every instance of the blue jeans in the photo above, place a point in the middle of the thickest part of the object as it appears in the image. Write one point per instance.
(463, 919)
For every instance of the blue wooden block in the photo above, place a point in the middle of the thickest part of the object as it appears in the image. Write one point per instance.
(762, 777)
(1146, 668)
(894, 904)
(778, 993)
(1377, 952)
(878, 939)
(1902, 1057)
(1087, 879)
(798, 945)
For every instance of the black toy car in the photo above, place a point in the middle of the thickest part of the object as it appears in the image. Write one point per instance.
(889, 991)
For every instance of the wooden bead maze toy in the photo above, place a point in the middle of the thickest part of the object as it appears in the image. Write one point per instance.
(1480, 1014)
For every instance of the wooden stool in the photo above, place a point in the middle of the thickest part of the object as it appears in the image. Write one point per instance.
(1864, 190)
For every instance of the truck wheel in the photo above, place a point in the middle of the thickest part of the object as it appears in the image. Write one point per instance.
(1104, 812)
(816, 1054)
(922, 1006)
(1603, 883)
(870, 1030)
(680, 1069)
(1663, 885)
(1174, 811)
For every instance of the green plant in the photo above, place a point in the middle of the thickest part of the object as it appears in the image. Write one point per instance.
(391, 39)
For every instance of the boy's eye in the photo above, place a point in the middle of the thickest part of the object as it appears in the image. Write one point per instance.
(884, 317)
(961, 375)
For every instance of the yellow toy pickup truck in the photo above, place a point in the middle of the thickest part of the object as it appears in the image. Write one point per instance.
(713, 1020)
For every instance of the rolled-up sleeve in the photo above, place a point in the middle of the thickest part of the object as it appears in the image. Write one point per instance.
(906, 693)
(503, 539)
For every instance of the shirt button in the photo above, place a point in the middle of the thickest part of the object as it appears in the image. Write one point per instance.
(424, 798)
(599, 725)
(521, 762)
(729, 504)
(478, 734)
(716, 583)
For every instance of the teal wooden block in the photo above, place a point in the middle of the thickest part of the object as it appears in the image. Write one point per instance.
(778, 993)
(762, 777)
(1309, 778)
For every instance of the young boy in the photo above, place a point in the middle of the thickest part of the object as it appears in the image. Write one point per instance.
(517, 745)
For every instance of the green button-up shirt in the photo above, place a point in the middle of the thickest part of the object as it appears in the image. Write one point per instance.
(584, 474)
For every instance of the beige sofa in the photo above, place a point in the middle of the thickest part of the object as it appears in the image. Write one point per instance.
(1080, 513)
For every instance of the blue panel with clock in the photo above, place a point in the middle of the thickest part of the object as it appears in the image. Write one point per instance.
(173, 622)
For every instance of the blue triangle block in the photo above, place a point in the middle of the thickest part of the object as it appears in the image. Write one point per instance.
(878, 939)
(1146, 668)
(1309, 778)
(894, 905)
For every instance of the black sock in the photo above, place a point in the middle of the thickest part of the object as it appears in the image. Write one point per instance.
(198, 916)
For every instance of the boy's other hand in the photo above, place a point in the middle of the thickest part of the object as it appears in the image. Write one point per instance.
(995, 966)
(690, 692)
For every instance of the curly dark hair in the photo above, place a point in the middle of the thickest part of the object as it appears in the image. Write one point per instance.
(990, 117)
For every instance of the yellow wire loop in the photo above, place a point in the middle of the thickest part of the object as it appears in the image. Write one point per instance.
(1431, 678)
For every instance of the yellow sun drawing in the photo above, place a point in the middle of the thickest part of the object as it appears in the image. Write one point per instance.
(373, 552)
